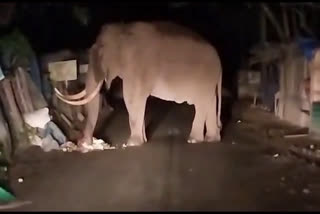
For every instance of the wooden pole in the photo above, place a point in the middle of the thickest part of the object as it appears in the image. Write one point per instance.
(285, 23)
(263, 27)
(273, 20)
(14, 118)
(21, 91)
(5, 139)
(294, 23)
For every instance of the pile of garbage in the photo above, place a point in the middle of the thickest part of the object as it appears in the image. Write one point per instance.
(46, 134)
(97, 144)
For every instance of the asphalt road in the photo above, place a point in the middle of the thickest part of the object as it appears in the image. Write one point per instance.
(166, 173)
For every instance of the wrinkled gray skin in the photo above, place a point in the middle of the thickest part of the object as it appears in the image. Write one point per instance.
(159, 59)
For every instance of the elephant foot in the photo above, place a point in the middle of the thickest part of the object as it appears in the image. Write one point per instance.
(84, 140)
(134, 141)
(212, 139)
(193, 140)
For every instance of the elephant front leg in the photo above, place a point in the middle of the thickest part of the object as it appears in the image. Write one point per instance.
(92, 110)
(197, 130)
(135, 104)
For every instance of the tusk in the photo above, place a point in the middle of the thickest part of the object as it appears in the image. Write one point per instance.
(71, 97)
(85, 100)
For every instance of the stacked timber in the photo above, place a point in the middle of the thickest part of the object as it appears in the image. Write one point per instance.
(18, 95)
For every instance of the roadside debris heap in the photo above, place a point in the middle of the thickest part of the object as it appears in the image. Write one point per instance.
(27, 117)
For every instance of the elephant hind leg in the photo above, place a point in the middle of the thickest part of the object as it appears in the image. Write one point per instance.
(197, 130)
(136, 103)
(213, 131)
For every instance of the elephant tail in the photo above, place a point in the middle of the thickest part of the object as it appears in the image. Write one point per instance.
(219, 92)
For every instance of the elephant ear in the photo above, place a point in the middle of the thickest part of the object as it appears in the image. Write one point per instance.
(95, 63)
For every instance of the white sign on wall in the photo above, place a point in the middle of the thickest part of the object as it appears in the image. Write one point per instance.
(63, 70)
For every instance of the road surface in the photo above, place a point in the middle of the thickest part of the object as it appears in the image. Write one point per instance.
(166, 173)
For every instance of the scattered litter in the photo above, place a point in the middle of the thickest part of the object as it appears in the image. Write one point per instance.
(311, 146)
(239, 121)
(276, 155)
(69, 147)
(306, 191)
(124, 145)
(42, 131)
(20, 180)
(47, 135)
(233, 143)
(97, 144)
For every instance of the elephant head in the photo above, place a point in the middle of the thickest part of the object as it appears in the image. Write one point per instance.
(103, 55)
(95, 77)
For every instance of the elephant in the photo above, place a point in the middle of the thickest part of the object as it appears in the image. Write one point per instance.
(158, 58)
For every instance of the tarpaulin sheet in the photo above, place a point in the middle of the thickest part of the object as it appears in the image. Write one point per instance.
(308, 45)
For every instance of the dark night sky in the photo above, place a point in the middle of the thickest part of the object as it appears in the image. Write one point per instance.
(231, 28)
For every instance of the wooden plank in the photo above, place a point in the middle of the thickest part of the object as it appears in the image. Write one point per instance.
(5, 138)
(17, 90)
(21, 91)
(14, 118)
(36, 96)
